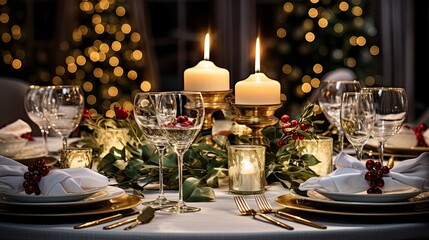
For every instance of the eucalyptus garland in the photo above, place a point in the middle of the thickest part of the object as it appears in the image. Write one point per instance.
(206, 165)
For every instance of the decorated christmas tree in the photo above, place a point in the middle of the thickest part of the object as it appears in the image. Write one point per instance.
(315, 37)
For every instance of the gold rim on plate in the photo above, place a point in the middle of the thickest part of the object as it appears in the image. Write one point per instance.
(294, 202)
(123, 202)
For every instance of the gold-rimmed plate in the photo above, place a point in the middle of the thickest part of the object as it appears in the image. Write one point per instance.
(295, 202)
(123, 202)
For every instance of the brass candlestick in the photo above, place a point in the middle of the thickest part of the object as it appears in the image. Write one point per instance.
(256, 117)
(213, 101)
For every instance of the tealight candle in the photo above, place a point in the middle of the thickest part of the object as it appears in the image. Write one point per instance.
(206, 76)
(246, 165)
(257, 89)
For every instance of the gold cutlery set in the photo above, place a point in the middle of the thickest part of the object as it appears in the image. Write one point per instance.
(265, 208)
(148, 213)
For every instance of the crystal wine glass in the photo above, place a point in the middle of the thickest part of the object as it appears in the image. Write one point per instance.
(33, 107)
(145, 116)
(181, 116)
(357, 118)
(391, 107)
(63, 108)
(330, 95)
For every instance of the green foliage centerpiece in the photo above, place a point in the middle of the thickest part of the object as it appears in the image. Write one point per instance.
(206, 165)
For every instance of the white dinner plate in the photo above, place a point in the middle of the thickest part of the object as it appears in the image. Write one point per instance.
(365, 197)
(96, 196)
(317, 197)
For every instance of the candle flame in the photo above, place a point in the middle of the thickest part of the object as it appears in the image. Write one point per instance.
(207, 47)
(257, 57)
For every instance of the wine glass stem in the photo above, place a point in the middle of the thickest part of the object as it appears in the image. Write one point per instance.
(161, 151)
(44, 133)
(64, 141)
(340, 140)
(359, 152)
(180, 203)
(381, 151)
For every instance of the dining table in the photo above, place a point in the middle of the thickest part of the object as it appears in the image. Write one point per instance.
(220, 219)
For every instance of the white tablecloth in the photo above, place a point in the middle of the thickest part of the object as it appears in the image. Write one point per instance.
(221, 220)
(218, 220)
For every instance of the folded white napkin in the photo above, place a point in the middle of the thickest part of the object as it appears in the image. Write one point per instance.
(349, 177)
(14, 130)
(58, 182)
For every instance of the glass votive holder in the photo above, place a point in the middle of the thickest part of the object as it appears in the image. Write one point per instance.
(322, 149)
(76, 158)
(246, 169)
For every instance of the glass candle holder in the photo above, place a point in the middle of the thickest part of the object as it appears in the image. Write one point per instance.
(322, 149)
(76, 158)
(246, 169)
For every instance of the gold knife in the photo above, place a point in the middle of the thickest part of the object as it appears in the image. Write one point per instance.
(104, 220)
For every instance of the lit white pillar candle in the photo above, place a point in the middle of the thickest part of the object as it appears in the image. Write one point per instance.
(249, 176)
(257, 89)
(206, 76)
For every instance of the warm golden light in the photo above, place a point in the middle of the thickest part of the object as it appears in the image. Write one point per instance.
(16, 63)
(137, 55)
(145, 86)
(113, 91)
(113, 61)
(126, 28)
(281, 32)
(312, 12)
(288, 7)
(374, 50)
(344, 6)
(257, 56)
(287, 69)
(310, 37)
(317, 68)
(132, 75)
(91, 100)
(315, 82)
(87, 86)
(120, 11)
(323, 22)
(306, 87)
(207, 47)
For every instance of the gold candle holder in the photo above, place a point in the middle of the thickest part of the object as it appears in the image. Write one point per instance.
(213, 101)
(256, 117)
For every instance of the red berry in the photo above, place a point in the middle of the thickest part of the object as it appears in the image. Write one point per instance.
(40, 163)
(30, 189)
(369, 164)
(377, 165)
(280, 143)
(28, 176)
(294, 123)
(380, 183)
(373, 183)
(369, 176)
(285, 118)
(31, 167)
(378, 174)
(121, 113)
(385, 169)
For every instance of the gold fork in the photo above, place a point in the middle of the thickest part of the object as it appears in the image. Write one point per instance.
(265, 207)
(244, 209)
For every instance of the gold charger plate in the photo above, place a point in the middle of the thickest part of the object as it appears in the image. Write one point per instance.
(293, 202)
(123, 202)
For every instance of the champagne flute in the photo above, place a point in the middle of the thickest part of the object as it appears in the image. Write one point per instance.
(330, 95)
(391, 106)
(33, 107)
(145, 116)
(63, 108)
(181, 116)
(357, 118)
